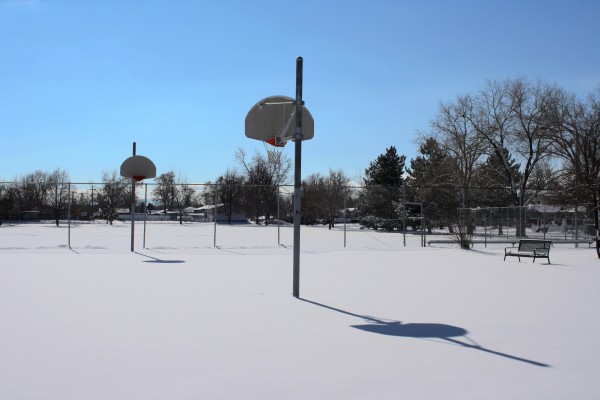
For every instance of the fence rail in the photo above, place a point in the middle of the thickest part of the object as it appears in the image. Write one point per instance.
(96, 216)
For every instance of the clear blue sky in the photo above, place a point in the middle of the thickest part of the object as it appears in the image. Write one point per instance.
(81, 80)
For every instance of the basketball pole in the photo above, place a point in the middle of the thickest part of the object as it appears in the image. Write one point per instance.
(297, 178)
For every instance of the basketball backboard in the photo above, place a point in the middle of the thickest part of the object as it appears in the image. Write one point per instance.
(138, 168)
(273, 120)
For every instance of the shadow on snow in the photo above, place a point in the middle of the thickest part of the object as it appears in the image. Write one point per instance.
(422, 331)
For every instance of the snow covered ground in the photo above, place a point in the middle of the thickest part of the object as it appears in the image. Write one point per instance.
(183, 320)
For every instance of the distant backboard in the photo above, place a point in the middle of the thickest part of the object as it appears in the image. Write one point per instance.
(138, 168)
(275, 117)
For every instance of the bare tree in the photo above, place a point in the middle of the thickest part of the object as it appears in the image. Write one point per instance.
(263, 175)
(335, 184)
(173, 192)
(577, 143)
(514, 117)
(230, 192)
(164, 191)
(314, 198)
(33, 189)
(9, 199)
(323, 197)
(462, 144)
(58, 193)
(182, 196)
(115, 193)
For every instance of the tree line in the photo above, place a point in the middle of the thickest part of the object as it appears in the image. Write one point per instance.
(513, 142)
(525, 142)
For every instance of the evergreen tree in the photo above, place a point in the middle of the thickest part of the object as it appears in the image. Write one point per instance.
(494, 180)
(383, 181)
(432, 168)
(493, 174)
(386, 170)
(431, 178)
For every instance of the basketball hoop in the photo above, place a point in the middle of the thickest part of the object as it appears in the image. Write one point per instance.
(271, 120)
(276, 142)
(138, 168)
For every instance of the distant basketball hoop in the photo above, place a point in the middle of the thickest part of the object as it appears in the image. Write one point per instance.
(273, 120)
(138, 168)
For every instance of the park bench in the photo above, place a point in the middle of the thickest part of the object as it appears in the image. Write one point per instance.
(535, 248)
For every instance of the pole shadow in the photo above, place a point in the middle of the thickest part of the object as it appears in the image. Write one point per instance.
(444, 332)
(158, 260)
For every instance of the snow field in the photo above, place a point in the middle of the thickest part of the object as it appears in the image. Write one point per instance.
(403, 323)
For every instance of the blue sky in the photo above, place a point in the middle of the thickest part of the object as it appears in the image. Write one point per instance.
(81, 80)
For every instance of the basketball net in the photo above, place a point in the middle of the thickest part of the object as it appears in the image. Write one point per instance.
(273, 151)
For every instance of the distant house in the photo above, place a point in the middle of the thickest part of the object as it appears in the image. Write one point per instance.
(189, 214)
(32, 215)
(207, 214)
(559, 219)
(350, 215)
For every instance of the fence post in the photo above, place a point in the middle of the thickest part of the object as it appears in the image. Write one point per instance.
(544, 222)
(345, 213)
(507, 223)
(404, 215)
(215, 216)
(278, 219)
(485, 225)
(422, 228)
(92, 210)
(576, 226)
(69, 216)
(145, 212)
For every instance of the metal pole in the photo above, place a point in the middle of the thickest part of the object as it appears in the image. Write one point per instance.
(145, 211)
(133, 207)
(297, 178)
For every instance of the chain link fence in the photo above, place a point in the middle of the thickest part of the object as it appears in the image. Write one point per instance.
(98, 217)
